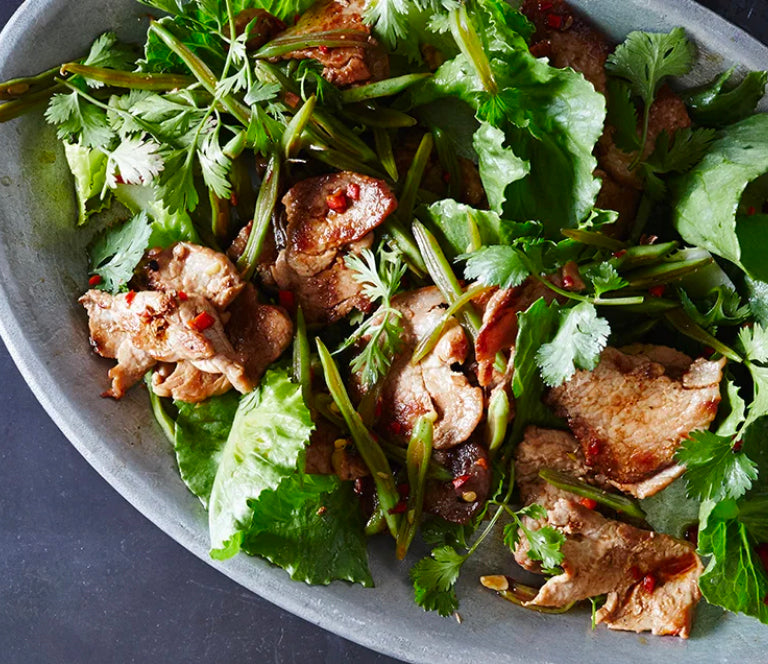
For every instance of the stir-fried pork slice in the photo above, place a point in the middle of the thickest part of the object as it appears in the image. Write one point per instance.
(362, 61)
(150, 326)
(329, 217)
(183, 381)
(436, 386)
(193, 270)
(631, 413)
(499, 328)
(460, 499)
(650, 579)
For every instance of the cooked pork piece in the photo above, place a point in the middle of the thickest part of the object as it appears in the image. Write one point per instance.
(264, 27)
(329, 217)
(140, 329)
(193, 270)
(436, 386)
(499, 329)
(650, 579)
(360, 62)
(632, 412)
(183, 381)
(463, 497)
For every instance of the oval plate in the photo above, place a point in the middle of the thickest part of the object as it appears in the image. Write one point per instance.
(42, 272)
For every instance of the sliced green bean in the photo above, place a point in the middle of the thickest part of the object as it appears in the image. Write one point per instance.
(385, 153)
(262, 218)
(379, 117)
(13, 109)
(302, 359)
(497, 422)
(399, 455)
(219, 215)
(593, 239)
(342, 161)
(292, 135)
(413, 178)
(17, 88)
(386, 88)
(683, 323)
(327, 38)
(644, 254)
(471, 46)
(665, 273)
(417, 464)
(129, 79)
(581, 488)
(446, 153)
(369, 449)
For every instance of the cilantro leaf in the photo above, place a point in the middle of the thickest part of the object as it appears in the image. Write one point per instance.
(135, 160)
(714, 469)
(754, 342)
(175, 186)
(544, 543)
(721, 306)
(214, 164)
(577, 345)
(645, 59)
(76, 117)
(261, 92)
(722, 103)
(270, 430)
(108, 52)
(312, 527)
(201, 433)
(498, 166)
(434, 580)
(495, 265)
(604, 278)
(622, 115)
(115, 253)
(734, 577)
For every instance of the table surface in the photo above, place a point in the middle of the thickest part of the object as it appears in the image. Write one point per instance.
(85, 578)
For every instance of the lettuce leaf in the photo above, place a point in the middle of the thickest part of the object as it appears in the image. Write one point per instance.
(723, 102)
(89, 168)
(270, 431)
(318, 517)
(498, 166)
(459, 227)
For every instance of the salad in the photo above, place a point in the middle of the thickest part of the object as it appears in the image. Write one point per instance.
(449, 272)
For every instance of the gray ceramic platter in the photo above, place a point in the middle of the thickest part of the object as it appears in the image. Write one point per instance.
(43, 270)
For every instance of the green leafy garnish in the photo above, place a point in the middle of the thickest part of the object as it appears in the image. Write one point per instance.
(722, 102)
(544, 543)
(115, 254)
(434, 580)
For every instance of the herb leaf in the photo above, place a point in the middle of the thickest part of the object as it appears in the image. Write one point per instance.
(496, 265)
(434, 580)
(115, 254)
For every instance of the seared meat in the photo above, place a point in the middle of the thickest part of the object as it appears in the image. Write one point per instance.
(650, 579)
(328, 217)
(462, 498)
(568, 40)
(264, 27)
(434, 386)
(363, 61)
(499, 329)
(139, 329)
(183, 381)
(193, 270)
(631, 413)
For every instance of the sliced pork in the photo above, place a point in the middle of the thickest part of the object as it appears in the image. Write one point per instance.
(193, 270)
(436, 386)
(329, 217)
(632, 412)
(360, 62)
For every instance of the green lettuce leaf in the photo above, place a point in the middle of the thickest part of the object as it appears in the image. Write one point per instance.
(270, 431)
(498, 166)
(89, 168)
(312, 527)
(460, 228)
(202, 430)
(708, 203)
(723, 102)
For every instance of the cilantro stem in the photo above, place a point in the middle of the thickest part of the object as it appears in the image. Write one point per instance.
(386, 88)
(128, 79)
(328, 39)
(414, 177)
(369, 449)
(262, 218)
(17, 88)
(202, 72)
(417, 465)
(580, 488)
(471, 47)
(502, 506)
(683, 323)
(443, 277)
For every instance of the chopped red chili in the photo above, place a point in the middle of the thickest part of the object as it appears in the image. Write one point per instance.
(202, 321)
(183, 297)
(95, 280)
(401, 507)
(286, 299)
(353, 191)
(337, 202)
(736, 447)
(129, 297)
(589, 503)
(482, 463)
(461, 481)
(649, 583)
(593, 449)
(619, 253)
(546, 6)
(395, 427)
(233, 199)
(568, 281)
(554, 21)
(323, 49)
(657, 291)
(446, 177)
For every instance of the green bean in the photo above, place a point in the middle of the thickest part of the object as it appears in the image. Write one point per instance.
(471, 46)
(644, 254)
(656, 275)
(413, 178)
(386, 88)
(302, 360)
(446, 153)
(128, 79)
(417, 464)
(379, 117)
(385, 153)
(235, 146)
(13, 109)
(219, 215)
(683, 323)
(262, 218)
(593, 239)
(292, 135)
(16, 88)
(497, 422)
(580, 488)
(399, 454)
(407, 246)
(342, 161)
(369, 449)
(328, 38)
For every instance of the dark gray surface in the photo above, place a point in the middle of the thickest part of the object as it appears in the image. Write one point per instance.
(85, 578)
